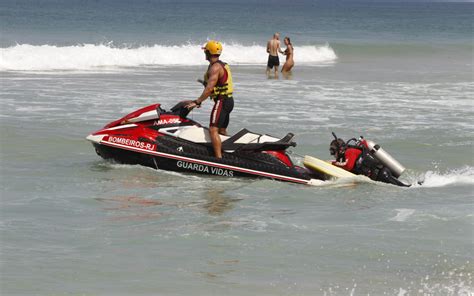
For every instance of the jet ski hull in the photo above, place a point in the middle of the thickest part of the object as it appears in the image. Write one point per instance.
(226, 167)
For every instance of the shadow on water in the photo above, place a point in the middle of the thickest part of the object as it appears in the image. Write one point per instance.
(136, 205)
(126, 202)
(101, 166)
(135, 208)
(219, 269)
(131, 208)
(218, 202)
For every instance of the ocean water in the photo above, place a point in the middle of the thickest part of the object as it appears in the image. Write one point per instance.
(71, 223)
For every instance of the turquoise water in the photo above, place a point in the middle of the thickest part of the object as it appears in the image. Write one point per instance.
(247, 21)
(398, 73)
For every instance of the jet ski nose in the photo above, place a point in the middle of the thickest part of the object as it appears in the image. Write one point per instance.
(94, 138)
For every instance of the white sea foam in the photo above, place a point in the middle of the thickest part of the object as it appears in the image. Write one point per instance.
(402, 215)
(430, 179)
(25, 57)
(463, 175)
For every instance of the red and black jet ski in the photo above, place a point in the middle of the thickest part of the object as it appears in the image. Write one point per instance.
(168, 140)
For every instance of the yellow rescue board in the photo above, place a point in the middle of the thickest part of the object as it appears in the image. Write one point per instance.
(326, 168)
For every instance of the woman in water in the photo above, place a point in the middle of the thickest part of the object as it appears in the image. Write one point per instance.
(289, 63)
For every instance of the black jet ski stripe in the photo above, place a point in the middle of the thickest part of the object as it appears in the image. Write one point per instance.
(193, 160)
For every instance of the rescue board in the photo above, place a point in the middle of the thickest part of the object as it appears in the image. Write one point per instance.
(326, 168)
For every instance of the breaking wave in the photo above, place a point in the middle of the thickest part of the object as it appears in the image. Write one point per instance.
(429, 179)
(463, 175)
(26, 57)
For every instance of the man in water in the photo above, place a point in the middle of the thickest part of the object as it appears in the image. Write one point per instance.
(273, 48)
(218, 85)
(359, 161)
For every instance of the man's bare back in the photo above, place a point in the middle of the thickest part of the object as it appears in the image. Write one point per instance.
(272, 46)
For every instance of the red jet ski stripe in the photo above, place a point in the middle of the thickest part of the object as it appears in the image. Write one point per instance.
(219, 165)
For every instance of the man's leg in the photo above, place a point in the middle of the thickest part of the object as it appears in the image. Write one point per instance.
(216, 141)
(276, 71)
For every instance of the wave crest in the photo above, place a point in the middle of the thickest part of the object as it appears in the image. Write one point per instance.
(26, 57)
(464, 175)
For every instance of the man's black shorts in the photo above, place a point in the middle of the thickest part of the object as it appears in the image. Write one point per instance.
(220, 114)
(273, 61)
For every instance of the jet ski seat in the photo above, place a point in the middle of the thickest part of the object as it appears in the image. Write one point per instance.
(196, 134)
(244, 140)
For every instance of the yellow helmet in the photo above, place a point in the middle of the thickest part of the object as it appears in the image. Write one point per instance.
(214, 47)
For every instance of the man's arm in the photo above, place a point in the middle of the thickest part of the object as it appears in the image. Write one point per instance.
(268, 47)
(340, 164)
(211, 83)
(278, 48)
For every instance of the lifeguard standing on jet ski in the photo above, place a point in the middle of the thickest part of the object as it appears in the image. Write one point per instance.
(364, 157)
(218, 85)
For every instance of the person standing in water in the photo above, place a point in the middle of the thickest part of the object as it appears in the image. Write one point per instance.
(289, 63)
(219, 86)
(273, 48)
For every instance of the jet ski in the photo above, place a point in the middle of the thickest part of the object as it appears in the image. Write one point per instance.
(169, 140)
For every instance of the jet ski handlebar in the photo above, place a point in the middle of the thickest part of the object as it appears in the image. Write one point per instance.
(180, 109)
